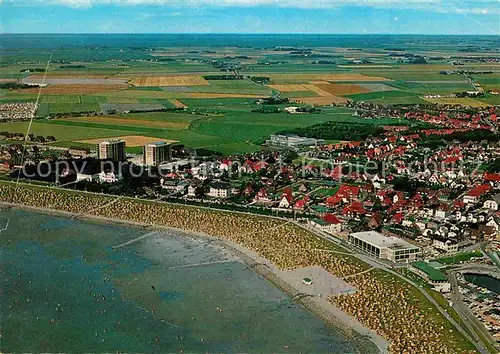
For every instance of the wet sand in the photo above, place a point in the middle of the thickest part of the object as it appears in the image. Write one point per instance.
(313, 297)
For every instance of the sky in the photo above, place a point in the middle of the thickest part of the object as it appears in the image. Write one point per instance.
(251, 16)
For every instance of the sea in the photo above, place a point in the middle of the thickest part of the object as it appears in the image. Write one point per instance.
(66, 288)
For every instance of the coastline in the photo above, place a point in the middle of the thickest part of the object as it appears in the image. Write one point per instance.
(364, 340)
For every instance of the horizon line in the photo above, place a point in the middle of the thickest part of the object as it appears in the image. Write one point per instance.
(249, 33)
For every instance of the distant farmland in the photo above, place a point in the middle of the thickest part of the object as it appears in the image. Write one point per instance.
(169, 81)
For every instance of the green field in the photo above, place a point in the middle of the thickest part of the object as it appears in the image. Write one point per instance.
(381, 95)
(227, 124)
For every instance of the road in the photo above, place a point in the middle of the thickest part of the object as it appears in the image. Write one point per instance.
(377, 264)
(472, 323)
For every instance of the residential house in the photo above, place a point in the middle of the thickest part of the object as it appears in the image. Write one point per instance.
(174, 185)
(109, 177)
(493, 222)
(219, 189)
(493, 203)
(475, 194)
(329, 223)
(445, 244)
(286, 199)
(262, 197)
(191, 191)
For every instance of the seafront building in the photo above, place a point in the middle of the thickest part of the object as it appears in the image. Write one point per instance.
(111, 150)
(157, 153)
(384, 247)
(434, 277)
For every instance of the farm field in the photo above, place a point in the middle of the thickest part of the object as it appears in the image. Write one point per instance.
(130, 140)
(215, 108)
(466, 101)
(169, 81)
(111, 120)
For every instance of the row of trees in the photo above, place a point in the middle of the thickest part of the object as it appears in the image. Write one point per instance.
(337, 131)
(31, 137)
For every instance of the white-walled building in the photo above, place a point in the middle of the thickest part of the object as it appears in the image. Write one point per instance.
(434, 277)
(384, 247)
(220, 189)
(446, 245)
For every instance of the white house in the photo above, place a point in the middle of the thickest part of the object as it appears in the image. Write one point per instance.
(442, 213)
(174, 186)
(220, 189)
(492, 222)
(109, 177)
(330, 224)
(191, 191)
(492, 203)
(446, 245)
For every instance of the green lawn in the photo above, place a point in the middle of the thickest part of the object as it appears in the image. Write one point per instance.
(61, 132)
(460, 257)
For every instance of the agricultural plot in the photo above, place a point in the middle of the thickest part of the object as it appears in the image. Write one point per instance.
(117, 123)
(74, 89)
(234, 86)
(60, 99)
(178, 95)
(337, 77)
(377, 87)
(130, 140)
(127, 107)
(61, 132)
(382, 94)
(298, 94)
(177, 103)
(169, 81)
(93, 99)
(320, 101)
(72, 81)
(490, 99)
(465, 101)
(73, 107)
(288, 88)
(489, 82)
(120, 100)
(43, 110)
(342, 89)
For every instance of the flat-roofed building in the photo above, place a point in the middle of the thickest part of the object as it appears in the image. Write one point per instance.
(157, 153)
(111, 150)
(434, 277)
(384, 247)
(293, 141)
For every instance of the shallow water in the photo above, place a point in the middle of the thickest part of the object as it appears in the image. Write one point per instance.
(484, 281)
(65, 289)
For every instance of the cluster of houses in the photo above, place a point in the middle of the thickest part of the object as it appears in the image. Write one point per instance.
(18, 110)
(437, 197)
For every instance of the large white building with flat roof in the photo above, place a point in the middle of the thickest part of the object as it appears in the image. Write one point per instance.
(384, 247)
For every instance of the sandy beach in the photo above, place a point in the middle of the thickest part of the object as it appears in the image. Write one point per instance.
(313, 297)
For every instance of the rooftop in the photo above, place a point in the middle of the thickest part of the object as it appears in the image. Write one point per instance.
(112, 141)
(432, 273)
(158, 143)
(377, 239)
